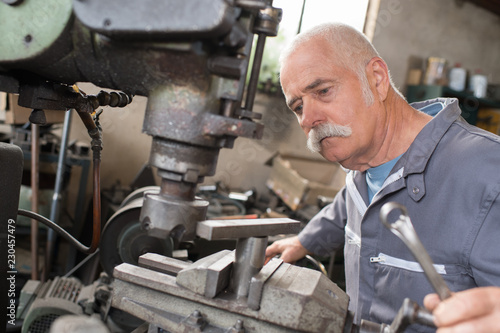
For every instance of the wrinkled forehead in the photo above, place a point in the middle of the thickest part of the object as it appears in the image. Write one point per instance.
(311, 58)
(313, 51)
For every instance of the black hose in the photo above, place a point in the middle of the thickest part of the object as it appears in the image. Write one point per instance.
(63, 233)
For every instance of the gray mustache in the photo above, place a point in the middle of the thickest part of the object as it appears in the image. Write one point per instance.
(325, 130)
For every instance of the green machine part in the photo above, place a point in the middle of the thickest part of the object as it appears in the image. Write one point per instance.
(32, 27)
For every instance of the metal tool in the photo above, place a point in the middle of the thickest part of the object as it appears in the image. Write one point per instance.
(403, 228)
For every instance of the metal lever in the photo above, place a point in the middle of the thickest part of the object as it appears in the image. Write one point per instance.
(403, 228)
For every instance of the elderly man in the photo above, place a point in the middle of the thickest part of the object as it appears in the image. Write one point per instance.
(423, 155)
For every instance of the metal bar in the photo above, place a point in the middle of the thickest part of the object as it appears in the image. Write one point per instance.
(56, 198)
(254, 76)
(234, 229)
(249, 259)
(162, 264)
(35, 152)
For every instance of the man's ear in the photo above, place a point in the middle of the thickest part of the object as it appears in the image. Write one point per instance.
(378, 76)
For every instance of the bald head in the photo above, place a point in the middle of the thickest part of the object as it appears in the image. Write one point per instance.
(349, 47)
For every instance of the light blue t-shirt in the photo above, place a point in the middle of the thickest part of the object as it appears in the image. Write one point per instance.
(376, 176)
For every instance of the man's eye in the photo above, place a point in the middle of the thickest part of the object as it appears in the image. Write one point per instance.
(324, 91)
(298, 109)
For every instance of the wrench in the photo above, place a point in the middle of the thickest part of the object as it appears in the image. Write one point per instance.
(403, 228)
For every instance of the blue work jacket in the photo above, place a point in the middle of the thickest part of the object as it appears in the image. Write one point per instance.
(449, 180)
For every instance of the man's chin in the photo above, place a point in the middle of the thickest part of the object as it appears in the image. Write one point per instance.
(329, 150)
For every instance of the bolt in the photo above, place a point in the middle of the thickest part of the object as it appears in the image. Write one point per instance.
(146, 225)
(196, 318)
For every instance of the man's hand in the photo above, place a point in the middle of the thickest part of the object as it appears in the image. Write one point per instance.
(290, 249)
(475, 310)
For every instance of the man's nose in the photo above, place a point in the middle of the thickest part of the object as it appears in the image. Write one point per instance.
(312, 115)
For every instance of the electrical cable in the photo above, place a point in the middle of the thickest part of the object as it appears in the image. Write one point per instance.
(63, 233)
(81, 263)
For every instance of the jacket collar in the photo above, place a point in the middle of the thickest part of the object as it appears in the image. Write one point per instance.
(416, 157)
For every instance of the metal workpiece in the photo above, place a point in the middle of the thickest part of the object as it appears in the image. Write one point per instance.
(166, 216)
(235, 229)
(249, 259)
(403, 228)
(162, 264)
(294, 299)
(209, 275)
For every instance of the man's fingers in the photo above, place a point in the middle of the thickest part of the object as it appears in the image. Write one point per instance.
(289, 257)
(464, 306)
(431, 301)
(290, 249)
(272, 250)
(488, 324)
